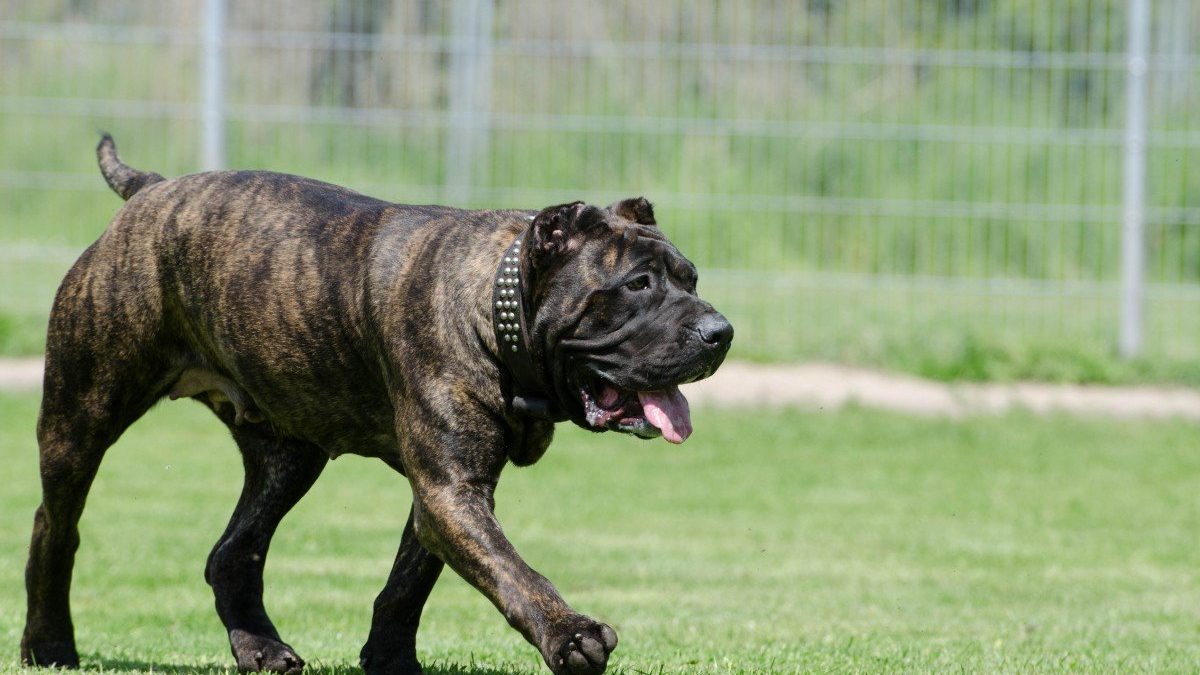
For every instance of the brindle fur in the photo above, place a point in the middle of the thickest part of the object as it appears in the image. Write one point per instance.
(316, 321)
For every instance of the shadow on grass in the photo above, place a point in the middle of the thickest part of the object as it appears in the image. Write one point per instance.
(118, 665)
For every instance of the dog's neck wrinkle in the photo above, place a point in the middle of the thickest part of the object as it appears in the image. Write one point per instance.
(481, 317)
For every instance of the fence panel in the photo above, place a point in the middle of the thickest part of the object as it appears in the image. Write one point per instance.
(927, 184)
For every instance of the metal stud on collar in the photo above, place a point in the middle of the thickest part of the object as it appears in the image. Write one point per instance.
(506, 315)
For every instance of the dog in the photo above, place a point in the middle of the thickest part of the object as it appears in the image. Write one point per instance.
(316, 321)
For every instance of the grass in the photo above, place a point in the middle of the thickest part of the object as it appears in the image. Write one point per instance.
(773, 542)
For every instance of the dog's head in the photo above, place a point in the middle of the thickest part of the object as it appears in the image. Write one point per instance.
(617, 318)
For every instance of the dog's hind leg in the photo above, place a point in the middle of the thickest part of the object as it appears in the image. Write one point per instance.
(392, 646)
(278, 473)
(104, 369)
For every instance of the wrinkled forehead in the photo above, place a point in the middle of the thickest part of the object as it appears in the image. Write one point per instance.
(630, 245)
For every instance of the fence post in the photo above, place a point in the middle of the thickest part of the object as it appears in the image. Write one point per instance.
(470, 94)
(1134, 176)
(212, 112)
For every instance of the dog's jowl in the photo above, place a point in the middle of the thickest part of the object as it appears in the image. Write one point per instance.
(315, 321)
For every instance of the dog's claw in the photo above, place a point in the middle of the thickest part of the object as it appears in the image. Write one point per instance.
(609, 637)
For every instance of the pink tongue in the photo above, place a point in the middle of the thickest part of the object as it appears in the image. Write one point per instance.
(668, 410)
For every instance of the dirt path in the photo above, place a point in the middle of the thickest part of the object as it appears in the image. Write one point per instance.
(826, 386)
(20, 374)
(829, 386)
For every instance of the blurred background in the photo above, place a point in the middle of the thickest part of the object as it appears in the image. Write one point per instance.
(934, 186)
(987, 190)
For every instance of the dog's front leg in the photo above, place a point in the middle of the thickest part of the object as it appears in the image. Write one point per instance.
(455, 520)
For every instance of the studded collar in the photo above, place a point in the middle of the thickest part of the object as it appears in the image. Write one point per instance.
(510, 323)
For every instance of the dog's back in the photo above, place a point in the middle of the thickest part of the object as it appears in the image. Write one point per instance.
(271, 285)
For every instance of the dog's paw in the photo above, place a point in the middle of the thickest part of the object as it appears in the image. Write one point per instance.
(581, 648)
(257, 654)
(375, 662)
(49, 654)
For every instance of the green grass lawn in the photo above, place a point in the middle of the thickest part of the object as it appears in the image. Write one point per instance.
(771, 543)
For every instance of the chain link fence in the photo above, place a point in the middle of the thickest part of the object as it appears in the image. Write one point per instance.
(931, 185)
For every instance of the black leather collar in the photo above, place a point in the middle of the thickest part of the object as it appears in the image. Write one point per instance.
(510, 323)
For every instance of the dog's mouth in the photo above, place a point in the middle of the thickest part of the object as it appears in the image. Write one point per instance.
(646, 414)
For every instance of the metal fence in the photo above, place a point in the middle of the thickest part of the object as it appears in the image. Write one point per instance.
(919, 183)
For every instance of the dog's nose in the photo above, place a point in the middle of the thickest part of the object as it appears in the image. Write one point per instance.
(715, 329)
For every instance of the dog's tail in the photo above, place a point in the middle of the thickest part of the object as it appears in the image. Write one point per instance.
(122, 178)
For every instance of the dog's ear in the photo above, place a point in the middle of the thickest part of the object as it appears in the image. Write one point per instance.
(553, 228)
(637, 209)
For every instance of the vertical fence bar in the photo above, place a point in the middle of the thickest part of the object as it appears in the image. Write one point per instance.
(469, 99)
(213, 87)
(1133, 234)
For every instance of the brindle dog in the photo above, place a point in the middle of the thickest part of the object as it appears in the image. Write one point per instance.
(316, 321)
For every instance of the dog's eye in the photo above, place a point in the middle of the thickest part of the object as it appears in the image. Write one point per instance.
(639, 284)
